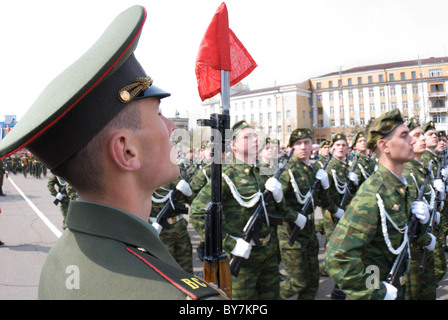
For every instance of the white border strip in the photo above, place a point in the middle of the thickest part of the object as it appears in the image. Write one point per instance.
(37, 211)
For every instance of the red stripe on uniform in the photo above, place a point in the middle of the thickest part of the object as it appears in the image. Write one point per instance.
(163, 275)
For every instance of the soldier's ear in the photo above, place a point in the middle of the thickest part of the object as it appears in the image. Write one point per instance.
(383, 145)
(123, 150)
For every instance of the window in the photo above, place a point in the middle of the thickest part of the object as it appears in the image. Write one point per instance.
(260, 118)
(370, 79)
(319, 98)
(413, 75)
(332, 123)
(320, 111)
(341, 96)
(359, 80)
(414, 89)
(392, 91)
(318, 85)
(371, 93)
(416, 105)
(269, 102)
(350, 94)
(341, 109)
(438, 103)
(437, 88)
(372, 107)
(361, 94)
(393, 106)
(405, 105)
(289, 128)
(331, 97)
(342, 122)
(260, 103)
(435, 73)
(352, 108)
(340, 83)
(269, 117)
(391, 77)
(402, 76)
(244, 106)
(350, 81)
(403, 90)
(288, 113)
(320, 123)
(252, 118)
(279, 115)
(383, 107)
(382, 92)
(439, 118)
(361, 108)
(279, 129)
(251, 105)
(331, 110)
(361, 121)
(330, 84)
(380, 78)
(352, 122)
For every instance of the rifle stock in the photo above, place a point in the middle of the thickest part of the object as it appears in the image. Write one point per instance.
(398, 268)
(307, 206)
(255, 222)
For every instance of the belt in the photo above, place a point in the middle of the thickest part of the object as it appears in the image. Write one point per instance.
(263, 241)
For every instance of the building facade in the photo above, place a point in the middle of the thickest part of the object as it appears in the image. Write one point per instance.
(274, 112)
(347, 101)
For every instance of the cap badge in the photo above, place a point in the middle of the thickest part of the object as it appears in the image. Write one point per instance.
(140, 84)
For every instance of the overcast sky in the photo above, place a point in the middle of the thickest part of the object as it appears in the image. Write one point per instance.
(291, 40)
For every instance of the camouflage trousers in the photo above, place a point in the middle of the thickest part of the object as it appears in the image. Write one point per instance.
(439, 253)
(177, 240)
(420, 285)
(259, 276)
(63, 206)
(301, 265)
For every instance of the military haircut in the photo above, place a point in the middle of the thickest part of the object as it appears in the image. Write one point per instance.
(84, 170)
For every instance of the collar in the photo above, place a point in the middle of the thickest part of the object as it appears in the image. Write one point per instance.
(112, 223)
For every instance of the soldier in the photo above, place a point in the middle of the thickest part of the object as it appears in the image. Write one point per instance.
(301, 259)
(324, 153)
(337, 170)
(63, 193)
(242, 189)
(372, 231)
(365, 165)
(419, 285)
(268, 153)
(2, 176)
(432, 141)
(107, 138)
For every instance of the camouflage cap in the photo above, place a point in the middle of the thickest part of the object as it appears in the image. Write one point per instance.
(358, 135)
(237, 127)
(300, 133)
(324, 143)
(382, 126)
(336, 137)
(413, 123)
(441, 133)
(428, 126)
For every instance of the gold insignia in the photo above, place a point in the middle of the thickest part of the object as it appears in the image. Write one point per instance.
(396, 207)
(415, 121)
(401, 190)
(299, 133)
(246, 170)
(125, 96)
(305, 168)
(244, 123)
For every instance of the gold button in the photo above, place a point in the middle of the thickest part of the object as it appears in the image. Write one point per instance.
(125, 96)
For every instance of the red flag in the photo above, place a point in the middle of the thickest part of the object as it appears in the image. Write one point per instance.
(220, 49)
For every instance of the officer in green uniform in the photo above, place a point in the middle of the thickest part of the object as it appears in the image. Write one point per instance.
(98, 126)
(301, 259)
(242, 189)
(2, 176)
(366, 240)
(419, 285)
(432, 140)
(63, 193)
(365, 164)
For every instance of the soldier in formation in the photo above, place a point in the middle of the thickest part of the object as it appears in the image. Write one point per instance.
(63, 193)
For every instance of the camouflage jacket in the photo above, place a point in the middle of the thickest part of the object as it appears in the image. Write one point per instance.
(319, 163)
(358, 241)
(336, 168)
(248, 181)
(428, 156)
(364, 168)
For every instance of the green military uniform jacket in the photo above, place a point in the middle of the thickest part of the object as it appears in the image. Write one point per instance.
(319, 163)
(337, 176)
(107, 253)
(364, 168)
(246, 181)
(358, 240)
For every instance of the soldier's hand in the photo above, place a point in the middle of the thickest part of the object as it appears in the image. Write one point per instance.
(353, 177)
(322, 175)
(242, 248)
(391, 293)
(439, 185)
(339, 213)
(421, 211)
(432, 245)
(300, 221)
(184, 187)
(275, 187)
(157, 226)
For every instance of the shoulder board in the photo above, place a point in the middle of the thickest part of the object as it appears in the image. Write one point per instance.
(193, 287)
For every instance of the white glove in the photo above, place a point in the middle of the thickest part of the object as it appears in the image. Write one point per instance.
(391, 293)
(445, 173)
(275, 187)
(59, 196)
(439, 185)
(353, 177)
(322, 175)
(184, 187)
(300, 221)
(157, 226)
(339, 213)
(421, 211)
(242, 248)
(432, 245)
(437, 221)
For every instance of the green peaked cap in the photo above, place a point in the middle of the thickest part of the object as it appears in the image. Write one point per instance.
(86, 96)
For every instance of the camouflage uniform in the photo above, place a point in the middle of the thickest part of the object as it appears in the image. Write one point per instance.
(259, 275)
(419, 285)
(301, 259)
(56, 185)
(364, 238)
(364, 168)
(176, 237)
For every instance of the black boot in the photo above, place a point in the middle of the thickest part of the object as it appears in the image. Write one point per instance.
(337, 294)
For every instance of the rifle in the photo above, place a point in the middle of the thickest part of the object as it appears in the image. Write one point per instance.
(62, 191)
(438, 200)
(348, 187)
(398, 267)
(168, 208)
(253, 226)
(307, 207)
(216, 263)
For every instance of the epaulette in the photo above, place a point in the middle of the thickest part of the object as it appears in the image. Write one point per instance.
(193, 287)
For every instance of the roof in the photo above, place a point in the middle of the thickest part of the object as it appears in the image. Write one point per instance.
(390, 65)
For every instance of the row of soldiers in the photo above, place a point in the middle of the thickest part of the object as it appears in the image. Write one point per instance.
(354, 198)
